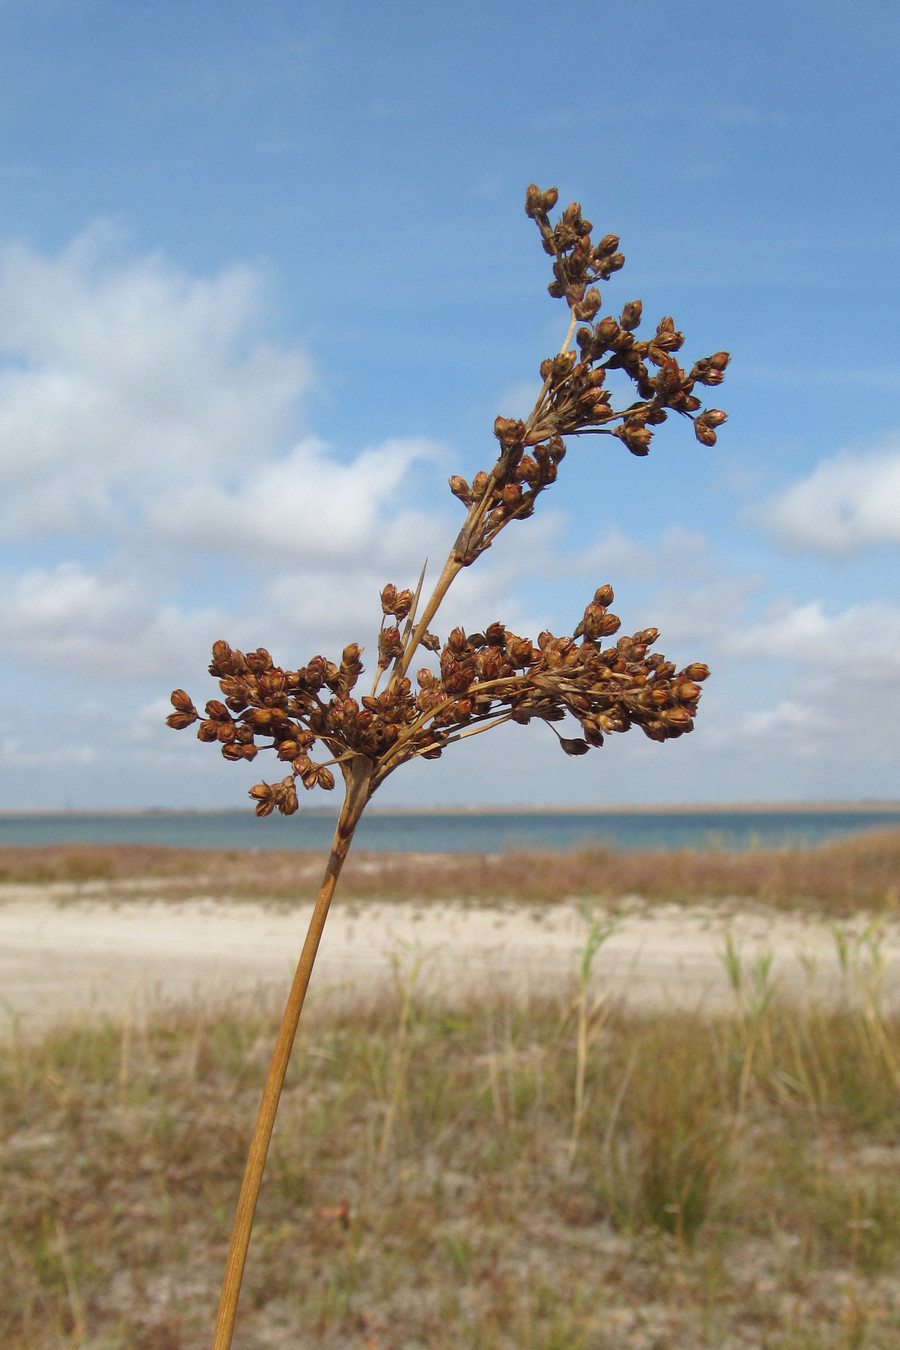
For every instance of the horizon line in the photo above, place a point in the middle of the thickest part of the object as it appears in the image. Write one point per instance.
(861, 805)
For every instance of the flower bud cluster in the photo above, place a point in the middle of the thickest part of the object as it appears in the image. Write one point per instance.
(492, 676)
(483, 678)
(574, 398)
(578, 401)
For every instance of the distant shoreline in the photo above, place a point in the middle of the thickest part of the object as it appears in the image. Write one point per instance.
(693, 808)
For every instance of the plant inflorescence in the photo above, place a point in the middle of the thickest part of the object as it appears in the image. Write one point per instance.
(493, 676)
(483, 678)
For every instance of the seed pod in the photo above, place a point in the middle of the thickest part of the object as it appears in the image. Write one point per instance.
(612, 721)
(697, 671)
(575, 746)
(390, 644)
(606, 332)
(655, 731)
(179, 720)
(534, 200)
(563, 365)
(527, 470)
(589, 306)
(222, 659)
(460, 488)
(598, 623)
(678, 719)
(403, 603)
(592, 733)
(636, 438)
(631, 315)
(519, 651)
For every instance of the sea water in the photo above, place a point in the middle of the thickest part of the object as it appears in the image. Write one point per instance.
(477, 831)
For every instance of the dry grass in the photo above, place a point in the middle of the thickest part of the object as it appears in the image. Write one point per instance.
(734, 1183)
(838, 879)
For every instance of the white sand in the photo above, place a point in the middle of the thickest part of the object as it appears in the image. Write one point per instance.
(92, 956)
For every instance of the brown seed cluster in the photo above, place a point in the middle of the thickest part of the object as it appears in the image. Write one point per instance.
(574, 398)
(484, 679)
(493, 676)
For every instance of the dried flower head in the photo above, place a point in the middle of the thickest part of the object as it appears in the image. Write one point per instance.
(314, 717)
(494, 676)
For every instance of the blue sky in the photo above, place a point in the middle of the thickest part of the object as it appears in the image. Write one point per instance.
(265, 281)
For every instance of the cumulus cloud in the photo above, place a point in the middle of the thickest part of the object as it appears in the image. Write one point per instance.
(304, 507)
(849, 502)
(123, 377)
(90, 624)
(134, 395)
(679, 553)
(841, 701)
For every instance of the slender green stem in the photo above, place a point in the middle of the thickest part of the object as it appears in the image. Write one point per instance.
(357, 778)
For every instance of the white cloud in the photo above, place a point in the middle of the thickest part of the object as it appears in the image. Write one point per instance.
(841, 704)
(680, 553)
(124, 378)
(864, 639)
(138, 398)
(16, 752)
(85, 624)
(848, 503)
(304, 507)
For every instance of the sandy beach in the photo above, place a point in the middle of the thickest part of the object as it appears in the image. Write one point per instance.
(91, 956)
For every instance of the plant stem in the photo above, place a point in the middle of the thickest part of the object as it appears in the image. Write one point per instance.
(357, 778)
(460, 554)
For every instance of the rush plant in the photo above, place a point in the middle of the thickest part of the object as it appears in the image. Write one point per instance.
(481, 679)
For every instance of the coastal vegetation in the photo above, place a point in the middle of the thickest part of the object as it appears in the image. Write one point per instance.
(477, 1174)
(839, 878)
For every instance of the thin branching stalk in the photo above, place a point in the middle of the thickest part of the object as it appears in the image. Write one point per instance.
(484, 678)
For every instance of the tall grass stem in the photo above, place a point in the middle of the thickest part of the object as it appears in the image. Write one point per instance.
(357, 776)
